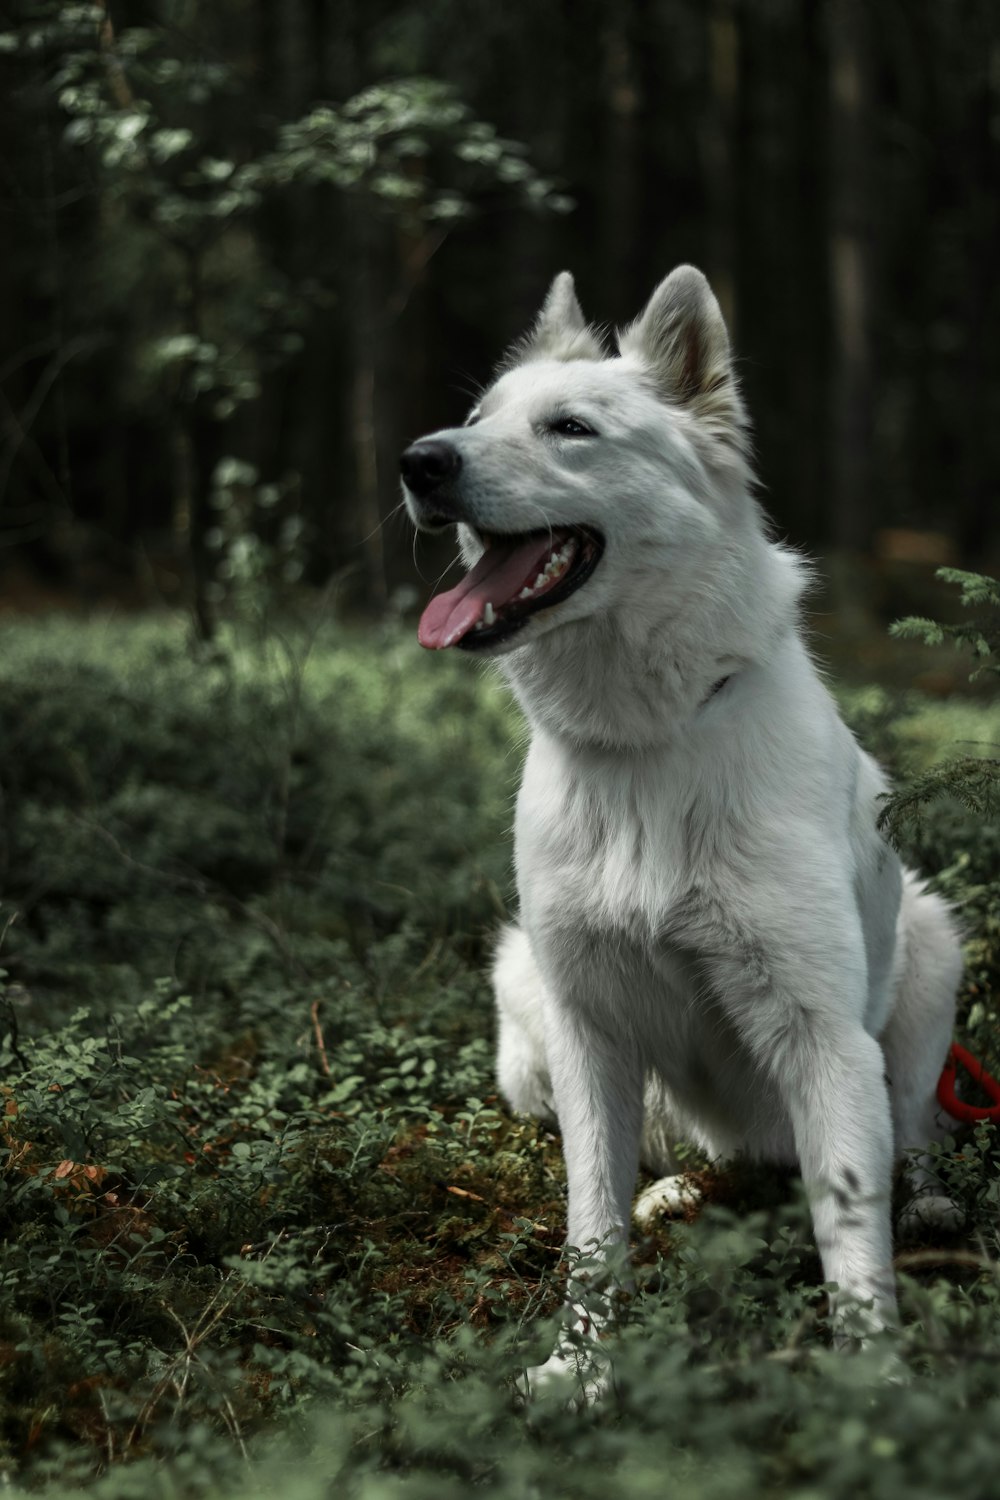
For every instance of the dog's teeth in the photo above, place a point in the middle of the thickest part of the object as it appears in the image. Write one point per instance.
(554, 568)
(489, 617)
(558, 563)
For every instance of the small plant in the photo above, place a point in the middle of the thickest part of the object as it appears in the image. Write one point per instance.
(258, 542)
(972, 780)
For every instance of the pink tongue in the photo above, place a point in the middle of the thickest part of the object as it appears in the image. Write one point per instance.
(499, 576)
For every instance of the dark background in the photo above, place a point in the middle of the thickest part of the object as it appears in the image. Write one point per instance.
(223, 314)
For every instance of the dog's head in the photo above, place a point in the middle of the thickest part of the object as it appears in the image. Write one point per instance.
(578, 479)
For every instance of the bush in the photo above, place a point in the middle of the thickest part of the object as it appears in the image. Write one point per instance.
(267, 1224)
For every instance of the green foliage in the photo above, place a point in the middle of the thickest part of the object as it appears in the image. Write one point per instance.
(267, 1225)
(147, 109)
(149, 115)
(981, 635)
(944, 810)
(258, 540)
(189, 271)
(973, 781)
(391, 141)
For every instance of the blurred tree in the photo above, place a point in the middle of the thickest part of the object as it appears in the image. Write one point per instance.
(719, 146)
(851, 381)
(182, 175)
(279, 236)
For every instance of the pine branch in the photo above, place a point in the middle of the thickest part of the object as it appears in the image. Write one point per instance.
(980, 635)
(973, 781)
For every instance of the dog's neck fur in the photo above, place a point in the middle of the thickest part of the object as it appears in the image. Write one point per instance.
(635, 679)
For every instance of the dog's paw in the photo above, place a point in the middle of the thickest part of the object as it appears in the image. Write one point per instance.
(669, 1197)
(578, 1375)
(929, 1211)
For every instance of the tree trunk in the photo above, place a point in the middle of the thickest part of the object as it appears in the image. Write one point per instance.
(977, 468)
(621, 175)
(718, 135)
(367, 340)
(851, 386)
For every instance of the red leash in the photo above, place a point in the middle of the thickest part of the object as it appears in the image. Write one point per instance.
(949, 1100)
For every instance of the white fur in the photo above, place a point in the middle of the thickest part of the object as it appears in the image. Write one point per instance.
(715, 943)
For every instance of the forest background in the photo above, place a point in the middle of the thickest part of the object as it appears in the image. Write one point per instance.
(252, 250)
(266, 1225)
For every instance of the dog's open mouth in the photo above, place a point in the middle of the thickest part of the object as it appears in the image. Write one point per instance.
(517, 576)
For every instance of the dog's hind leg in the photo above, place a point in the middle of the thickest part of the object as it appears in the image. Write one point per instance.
(522, 1068)
(915, 1043)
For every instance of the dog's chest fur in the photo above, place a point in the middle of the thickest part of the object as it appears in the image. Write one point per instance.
(617, 843)
(619, 885)
(644, 875)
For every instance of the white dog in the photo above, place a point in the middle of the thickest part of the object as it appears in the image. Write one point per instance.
(716, 945)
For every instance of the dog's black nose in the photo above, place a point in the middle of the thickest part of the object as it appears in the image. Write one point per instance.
(427, 463)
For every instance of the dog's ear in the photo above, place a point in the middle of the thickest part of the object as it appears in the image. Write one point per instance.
(681, 337)
(560, 330)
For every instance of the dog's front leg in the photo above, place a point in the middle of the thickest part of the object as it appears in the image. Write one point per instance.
(833, 1082)
(597, 1082)
(795, 987)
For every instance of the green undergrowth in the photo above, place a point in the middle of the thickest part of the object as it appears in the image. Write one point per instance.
(268, 1228)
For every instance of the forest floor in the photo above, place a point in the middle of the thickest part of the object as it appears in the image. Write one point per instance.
(268, 1226)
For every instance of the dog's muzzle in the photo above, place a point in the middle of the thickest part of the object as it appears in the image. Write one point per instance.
(426, 464)
(427, 467)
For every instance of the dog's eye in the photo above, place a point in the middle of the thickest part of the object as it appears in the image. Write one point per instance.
(571, 427)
